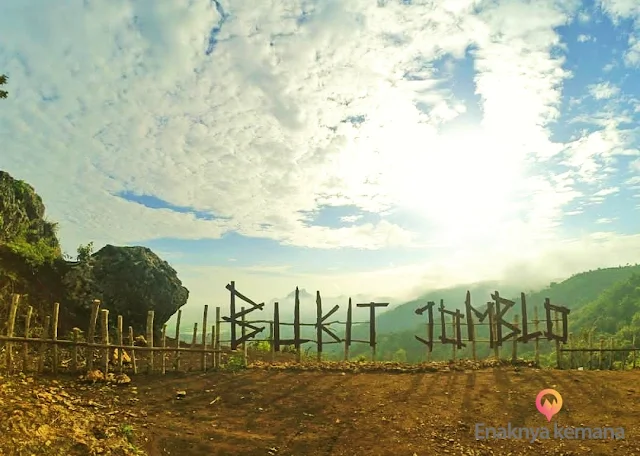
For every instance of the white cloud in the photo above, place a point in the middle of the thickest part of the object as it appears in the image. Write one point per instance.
(286, 115)
(582, 38)
(603, 90)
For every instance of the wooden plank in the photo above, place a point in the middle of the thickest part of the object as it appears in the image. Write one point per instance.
(54, 335)
(514, 347)
(93, 320)
(537, 340)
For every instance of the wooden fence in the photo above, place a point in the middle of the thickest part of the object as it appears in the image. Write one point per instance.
(97, 350)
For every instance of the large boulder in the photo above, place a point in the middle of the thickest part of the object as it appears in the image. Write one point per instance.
(130, 281)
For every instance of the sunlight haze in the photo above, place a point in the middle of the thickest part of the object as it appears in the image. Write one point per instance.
(377, 149)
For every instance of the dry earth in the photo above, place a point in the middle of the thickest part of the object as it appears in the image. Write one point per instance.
(345, 411)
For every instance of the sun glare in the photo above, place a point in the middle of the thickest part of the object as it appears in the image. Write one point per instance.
(457, 181)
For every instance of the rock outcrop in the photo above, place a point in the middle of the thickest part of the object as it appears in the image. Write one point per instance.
(130, 281)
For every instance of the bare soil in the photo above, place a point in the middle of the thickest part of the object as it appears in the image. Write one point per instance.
(351, 411)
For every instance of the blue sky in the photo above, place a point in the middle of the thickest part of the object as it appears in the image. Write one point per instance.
(340, 146)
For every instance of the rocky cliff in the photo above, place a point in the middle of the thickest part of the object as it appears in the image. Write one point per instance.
(129, 281)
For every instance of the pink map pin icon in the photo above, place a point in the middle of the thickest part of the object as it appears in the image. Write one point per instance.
(546, 407)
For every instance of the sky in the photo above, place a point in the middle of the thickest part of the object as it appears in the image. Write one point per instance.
(371, 148)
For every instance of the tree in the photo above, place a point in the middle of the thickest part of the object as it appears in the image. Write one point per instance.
(3, 81)
(85, 252)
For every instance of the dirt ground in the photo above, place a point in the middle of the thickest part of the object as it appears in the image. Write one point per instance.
(312, 413)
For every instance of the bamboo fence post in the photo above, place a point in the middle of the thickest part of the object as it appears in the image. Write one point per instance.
(164, 346)
(120, 342)
(74, 361)
(271, 351)
(471, 324)
(571, 353)
(611, 343)
(104, 326)
(150, 315)
(600, 353)
(536, 324)
(177, 355)
(558, 353)
(15, 300)
(633, 345)
(203, 360)
(514, 347)
(213, 346)
(494, 331)
(194, 339)
(454, 352)
(133, 353)
(590, 345)
(43, 346)
(219, 352)
(25, 346)
(54, 335)
(95, 306)
(244, 342)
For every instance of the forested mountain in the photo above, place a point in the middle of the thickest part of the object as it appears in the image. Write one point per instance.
(606, 299)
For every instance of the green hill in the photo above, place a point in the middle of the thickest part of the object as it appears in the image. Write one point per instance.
(588, 294)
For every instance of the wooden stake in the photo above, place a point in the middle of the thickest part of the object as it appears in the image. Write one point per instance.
(25, 346)
(318, 327)
(558, 352)
(120, 342)
(600, 353)
(93, 320)
(218, 355)
(150, 315)
(571, 357)
(133, 351)
(203, 361)
(454, 337)
(514, 347)
(537, 342)
(296, 326)
(271, 351)
(612, 353)
(104, 327)
(54, 335)
(213, 345)
(244, 343)
(232, 309)
(177, 355)
(43, 345)
(194, 338)
(74, 360)
(347, 331)
(164, 346)
(590, 345)
(15, 299)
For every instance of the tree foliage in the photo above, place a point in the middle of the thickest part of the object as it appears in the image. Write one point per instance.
(3, 81)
